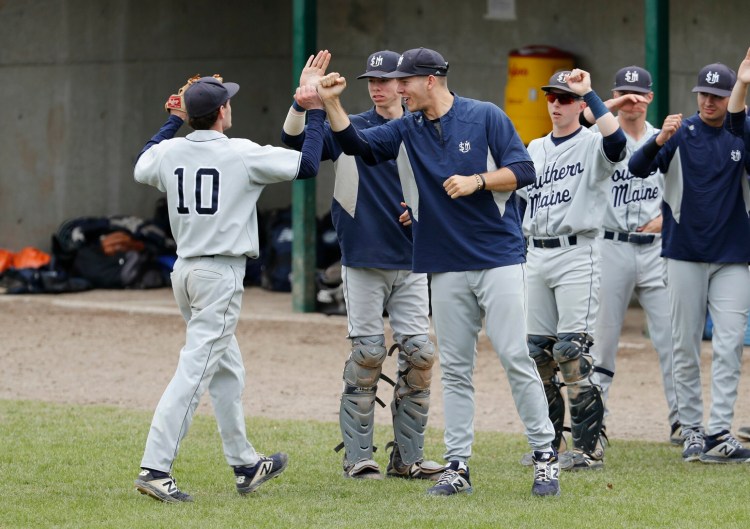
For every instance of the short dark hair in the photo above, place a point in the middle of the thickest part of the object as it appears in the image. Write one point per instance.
(204, 122)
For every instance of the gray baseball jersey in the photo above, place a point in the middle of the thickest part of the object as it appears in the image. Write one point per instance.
(568, 196)
(564, 211)
(631, 263)
(217, 181)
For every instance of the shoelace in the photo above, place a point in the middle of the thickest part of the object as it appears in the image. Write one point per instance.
(447, 477)
(542, 471)
(733, 442)
(693, 438)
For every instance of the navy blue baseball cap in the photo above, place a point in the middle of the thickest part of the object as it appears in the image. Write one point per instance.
(633, 79)
(207, 94)
(559, 81)
(420, 62)
(717, 79)
(380, 63)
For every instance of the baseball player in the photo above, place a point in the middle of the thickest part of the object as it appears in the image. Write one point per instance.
(736, 105)
(376, 255)
(705, 237)
(460, 161)
(631, 246)
(212, 185)
(564, 210)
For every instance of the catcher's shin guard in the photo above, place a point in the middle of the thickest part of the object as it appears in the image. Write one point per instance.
(586, 406)
(361, 374)
(540, 349)
(411, 396)
(587, 420)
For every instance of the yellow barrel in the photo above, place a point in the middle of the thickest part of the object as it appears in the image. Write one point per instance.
(530, 68)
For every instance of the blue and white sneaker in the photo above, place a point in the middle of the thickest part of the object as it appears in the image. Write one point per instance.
(454, 480)
(160, 486)
(249, 478)
(692, 446)
(546, 473)
(723, 448)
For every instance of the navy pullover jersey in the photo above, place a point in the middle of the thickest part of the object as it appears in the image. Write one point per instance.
(366, 204)
(474, 232)
(705, 193)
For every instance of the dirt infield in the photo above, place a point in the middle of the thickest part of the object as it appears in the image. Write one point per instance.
(120, 348)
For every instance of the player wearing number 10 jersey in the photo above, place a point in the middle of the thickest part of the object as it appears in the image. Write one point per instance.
(212, 184)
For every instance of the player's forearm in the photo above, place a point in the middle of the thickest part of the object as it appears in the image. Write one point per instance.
(513, 176)
(166, 132)
(313, 146)
(605, 120)
(613, 138)
(643, 161)
(355, 145)
(337, 116)
(735, 123)
(294, 124)
(737, 97)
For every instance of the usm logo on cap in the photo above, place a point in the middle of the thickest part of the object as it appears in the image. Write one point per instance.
(631, 77)
(712, 77)
(563, 77)
(400, 59)
(376, 61)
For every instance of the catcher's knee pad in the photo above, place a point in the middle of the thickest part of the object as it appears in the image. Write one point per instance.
(571, 353)
(540, 349)
(417, 354)
(411, 396)
(587, 420)
(362, 369)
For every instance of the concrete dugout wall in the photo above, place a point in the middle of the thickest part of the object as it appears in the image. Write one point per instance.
(84, 81)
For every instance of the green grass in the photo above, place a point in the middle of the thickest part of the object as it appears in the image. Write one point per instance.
(73, 467)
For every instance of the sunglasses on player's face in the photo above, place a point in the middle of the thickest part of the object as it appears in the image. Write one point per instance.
(564, 99)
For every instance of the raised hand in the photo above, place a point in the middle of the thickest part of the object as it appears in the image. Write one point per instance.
(743, 72)
(671, 124)
(315, 68)
(616, 103)
(331, 86)
(579, 81)
(307, 97)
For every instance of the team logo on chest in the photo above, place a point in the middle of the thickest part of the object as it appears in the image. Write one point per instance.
(736, 156)
(464, 146)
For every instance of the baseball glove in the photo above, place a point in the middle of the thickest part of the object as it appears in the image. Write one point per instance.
(119, 241)
(177, 101)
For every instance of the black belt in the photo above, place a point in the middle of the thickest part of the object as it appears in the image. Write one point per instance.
(633, 238)
(555, 242)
